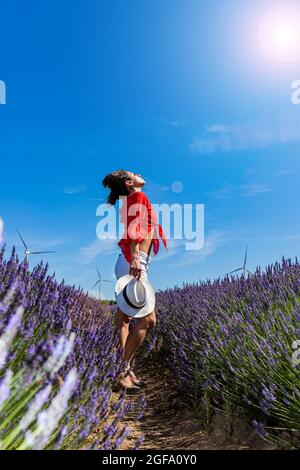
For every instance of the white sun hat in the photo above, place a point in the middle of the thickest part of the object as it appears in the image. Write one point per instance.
(135, 297)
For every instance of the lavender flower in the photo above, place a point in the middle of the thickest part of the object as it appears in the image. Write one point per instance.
(259, 428)
(7, 337)
(61, 352)
(5, 386)
(48, 419)
(35, 406)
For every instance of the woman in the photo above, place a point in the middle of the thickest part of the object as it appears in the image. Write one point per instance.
(139, 238)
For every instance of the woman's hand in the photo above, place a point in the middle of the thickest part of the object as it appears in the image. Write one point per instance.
(135, 267)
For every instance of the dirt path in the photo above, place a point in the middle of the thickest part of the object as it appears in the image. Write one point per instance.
(167, 423)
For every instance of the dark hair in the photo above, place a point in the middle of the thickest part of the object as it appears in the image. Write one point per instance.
(115, 181)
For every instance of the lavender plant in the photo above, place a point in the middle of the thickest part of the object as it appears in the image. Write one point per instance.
(58, 359)
(229, 342)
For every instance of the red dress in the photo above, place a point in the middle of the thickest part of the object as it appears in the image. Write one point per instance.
(138, 217)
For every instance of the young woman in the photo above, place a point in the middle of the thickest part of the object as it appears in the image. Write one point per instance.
(140, 237)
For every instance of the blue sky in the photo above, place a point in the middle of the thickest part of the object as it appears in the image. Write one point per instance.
(178, 90)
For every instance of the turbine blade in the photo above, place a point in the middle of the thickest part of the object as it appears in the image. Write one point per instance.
(235, 270)
(105, 280)
(95, 284)
(99, 273)
(26, 248)
(41, 252)
(245, 260)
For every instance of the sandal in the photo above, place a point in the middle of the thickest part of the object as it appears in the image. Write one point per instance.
(129, 390)
(139, 382)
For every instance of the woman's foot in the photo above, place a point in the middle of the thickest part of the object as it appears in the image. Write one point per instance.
(136, 380)
(125, 382)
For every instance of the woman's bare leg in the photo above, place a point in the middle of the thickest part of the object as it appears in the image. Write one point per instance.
(130, 341)
(138, 334)
(122, 327)
(122, 330)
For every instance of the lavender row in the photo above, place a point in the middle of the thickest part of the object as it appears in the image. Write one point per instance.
(231, 344)
(58, 358)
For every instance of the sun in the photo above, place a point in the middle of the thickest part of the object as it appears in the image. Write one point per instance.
(279, 35)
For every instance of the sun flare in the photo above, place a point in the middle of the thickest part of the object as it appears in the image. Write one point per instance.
(279, 35)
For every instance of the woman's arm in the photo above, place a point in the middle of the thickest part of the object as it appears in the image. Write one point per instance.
(135, 268)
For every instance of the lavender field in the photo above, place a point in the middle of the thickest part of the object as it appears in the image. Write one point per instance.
(58, 357)
(229, 344)
(232, 345)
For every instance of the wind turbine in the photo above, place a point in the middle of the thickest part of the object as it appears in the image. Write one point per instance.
(100, 280)
(243, 268)
(27, 252)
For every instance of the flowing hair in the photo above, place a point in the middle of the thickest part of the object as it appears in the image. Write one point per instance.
(115, 181)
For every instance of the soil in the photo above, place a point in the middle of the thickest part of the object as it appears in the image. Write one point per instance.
(169, 424)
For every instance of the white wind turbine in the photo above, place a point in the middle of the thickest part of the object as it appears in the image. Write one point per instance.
(100, 280)
(27, 252)
(243, 268)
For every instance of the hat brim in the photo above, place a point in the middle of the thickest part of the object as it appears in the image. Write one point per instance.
(123, 305)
